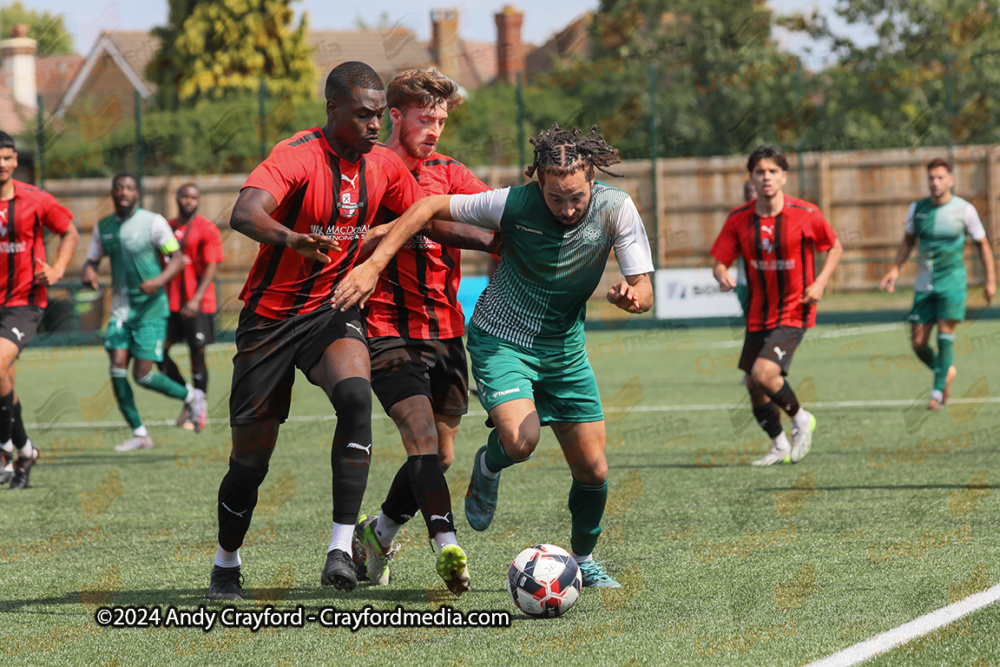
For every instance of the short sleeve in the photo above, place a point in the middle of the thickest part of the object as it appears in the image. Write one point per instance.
(631, 244)
(96, 251)
(280, 174)
(57, 218)
(463, 182)
(910, 228)
(163, 237)
(973, 225)
(212, 249)
(726, 248)
(821, 232)
(484, 209)
(402, 190)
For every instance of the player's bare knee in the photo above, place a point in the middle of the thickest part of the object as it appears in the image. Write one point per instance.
(445, 459)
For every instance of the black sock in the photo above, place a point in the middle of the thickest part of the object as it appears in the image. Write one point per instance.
(400, 504)
(351, 454)
(17, 432)
(169, 368)
(6, 416)
(199, 370)
(431, 492)
(769, 419)
(785, 399)
(237, 498)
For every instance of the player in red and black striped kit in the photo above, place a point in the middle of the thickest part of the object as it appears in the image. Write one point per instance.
(415, 329)
(309, 204)
(776, 235)
(25, 212)
(192, 296)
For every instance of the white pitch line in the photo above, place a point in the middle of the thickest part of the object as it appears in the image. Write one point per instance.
(704, 407)
(918, 627)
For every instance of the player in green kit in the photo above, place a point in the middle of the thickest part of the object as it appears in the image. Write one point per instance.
(134, 239)
(940, 223)
(526, 339)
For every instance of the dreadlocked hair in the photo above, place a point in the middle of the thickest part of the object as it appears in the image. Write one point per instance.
(561, 152)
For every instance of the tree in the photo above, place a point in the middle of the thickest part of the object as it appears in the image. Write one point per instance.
(47, 29)
(217, 48)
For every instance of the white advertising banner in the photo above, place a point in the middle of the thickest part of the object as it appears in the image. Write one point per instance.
(686, 293)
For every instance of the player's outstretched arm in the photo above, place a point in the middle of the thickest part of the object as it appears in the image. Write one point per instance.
(814, 292)
(252, 217)
(726, 281)
(633, 295)
(461, 235)
(990, 283)
(359, 284)
(50, 275)
(888, 282)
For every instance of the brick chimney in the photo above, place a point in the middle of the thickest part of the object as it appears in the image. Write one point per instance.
(18, 53)
(446, 48)
(510, 48)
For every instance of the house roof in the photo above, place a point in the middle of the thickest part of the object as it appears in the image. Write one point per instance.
(571, 41)
(131, 50)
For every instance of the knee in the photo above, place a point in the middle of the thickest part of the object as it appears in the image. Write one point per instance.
(594, 471)
(758, 378)
(521, 443)
(352, 397)
(446, 459)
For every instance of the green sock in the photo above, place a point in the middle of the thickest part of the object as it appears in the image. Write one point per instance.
(945, 357)
(123, 394)
(496, 457)
(586, 506)
(161, 383)
(926, 355)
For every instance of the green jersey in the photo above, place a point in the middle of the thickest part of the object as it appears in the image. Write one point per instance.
(134, 246)
(941, 232)
(548, 270)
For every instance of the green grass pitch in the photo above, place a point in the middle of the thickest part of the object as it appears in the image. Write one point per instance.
(891, 516)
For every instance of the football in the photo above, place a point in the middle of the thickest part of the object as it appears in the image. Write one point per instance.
(544, 581)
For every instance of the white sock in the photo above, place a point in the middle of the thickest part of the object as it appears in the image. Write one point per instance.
(340, 537)
(140, 432)
(582, 559)
(801, 419)
(27, 451)
(441, 540)
(937, 396)
(485, 470)
(225, 558)
(190, 395)
(386, 529)
(8, 447)
(781, 442)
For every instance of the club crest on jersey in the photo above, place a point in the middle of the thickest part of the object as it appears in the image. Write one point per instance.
(348, 204)
(593, 234)
(3, 228)
(767, 245)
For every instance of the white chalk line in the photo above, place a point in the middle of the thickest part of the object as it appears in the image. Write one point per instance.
(918, 627)
(704, 407)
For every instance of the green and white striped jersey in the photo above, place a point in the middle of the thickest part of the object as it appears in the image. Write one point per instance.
(134, 246)
(941, 232)
(548, 270)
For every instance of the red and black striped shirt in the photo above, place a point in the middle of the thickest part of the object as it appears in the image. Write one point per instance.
(22, 241)
(201, 244)
(319, 192)
(417, 294)
(779, 255)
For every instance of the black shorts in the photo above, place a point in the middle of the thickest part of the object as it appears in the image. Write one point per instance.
(268, 351)
(406, 367)
(777, 344)
(197, 331)
(19, 324)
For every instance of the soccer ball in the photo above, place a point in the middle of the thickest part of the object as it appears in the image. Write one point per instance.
(544, 581)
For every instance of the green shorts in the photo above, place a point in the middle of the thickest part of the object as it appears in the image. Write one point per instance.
(929, 307)
(143, 338)
(561, 384)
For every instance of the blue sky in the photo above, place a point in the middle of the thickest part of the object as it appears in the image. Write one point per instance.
(86, 20)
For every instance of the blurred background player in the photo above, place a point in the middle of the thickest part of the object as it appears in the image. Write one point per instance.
(526, 339)
(940, 223)
(309, 205)
(415, 329)
(776, 235)
(192, 295)
(742, 289)
(24, 278)
(137, 241)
